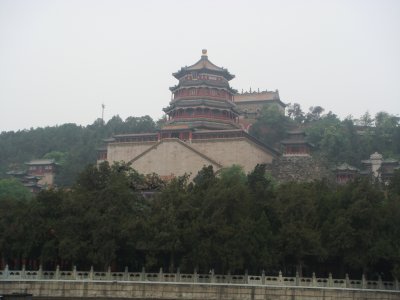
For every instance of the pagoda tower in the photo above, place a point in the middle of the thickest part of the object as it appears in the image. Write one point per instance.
(203, 99)
(202, 129)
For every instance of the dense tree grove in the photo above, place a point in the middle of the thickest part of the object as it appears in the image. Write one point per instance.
(349, 140)
(228, 221)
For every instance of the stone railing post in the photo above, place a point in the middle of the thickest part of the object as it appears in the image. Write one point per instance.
(314, 279)
(246, 277)
(229, 277)
(330, 280)
(161, 275)
(74, 273)
(57, 275)
(143, 274)
(40, 272)
(263, 277)
(126, 273)
(297, 279)
(6, 272)
(195, 279)
(23, 276)
(363, 282)
(347, 281)
(91, 273)
(396, 284)
(280, 277)
(212, 279)
(380, 283)
(109, 273)
(178, 275)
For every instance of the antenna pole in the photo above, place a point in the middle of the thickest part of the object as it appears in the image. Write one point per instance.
(102, 112)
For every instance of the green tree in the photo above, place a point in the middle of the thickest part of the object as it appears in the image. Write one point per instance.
(224, 223)
(314, 114)
(394, 183)
(170, 222)
(43, 220)
(295, 112)
(271, 126)
(58, 156)
(386, 128)
(353, 230)
(300, 228)
(366, 120)
(13, 230)
(13, 189)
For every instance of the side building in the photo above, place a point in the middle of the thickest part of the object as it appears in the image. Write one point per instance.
(297, 162)
(39, 175)
(250, 104)
(374, 168)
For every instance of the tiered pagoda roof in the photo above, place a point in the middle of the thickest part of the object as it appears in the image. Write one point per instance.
(203, 98)
(204, 65)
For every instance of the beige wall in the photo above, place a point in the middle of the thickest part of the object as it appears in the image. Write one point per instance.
(239, 151)
(47, 179)
(257, 96)
(253, 107)
(126, 151)
(171, 157)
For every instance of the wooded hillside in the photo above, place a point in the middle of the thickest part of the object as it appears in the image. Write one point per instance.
(349, 140)
(71, 145)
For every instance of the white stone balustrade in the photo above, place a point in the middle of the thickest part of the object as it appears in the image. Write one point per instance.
(211, 278)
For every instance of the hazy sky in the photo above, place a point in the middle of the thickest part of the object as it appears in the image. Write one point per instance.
(60, 59)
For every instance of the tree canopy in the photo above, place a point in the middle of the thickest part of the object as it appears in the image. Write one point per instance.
(228, 221)
(349, 140)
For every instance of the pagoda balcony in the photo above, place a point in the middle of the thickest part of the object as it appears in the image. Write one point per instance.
(208, 117)
(226, 97)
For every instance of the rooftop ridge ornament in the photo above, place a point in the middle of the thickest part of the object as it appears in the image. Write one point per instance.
(204, 52)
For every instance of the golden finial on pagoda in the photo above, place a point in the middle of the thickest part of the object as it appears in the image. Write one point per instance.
(204, 52)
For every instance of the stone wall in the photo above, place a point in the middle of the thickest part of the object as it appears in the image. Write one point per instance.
(151, 290)
(299, 168)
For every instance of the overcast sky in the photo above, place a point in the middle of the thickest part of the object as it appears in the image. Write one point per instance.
(61, 59)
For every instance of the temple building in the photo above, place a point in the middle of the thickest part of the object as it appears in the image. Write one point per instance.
(251, 103)
(345, 173)
(297, 162)
(39, 175)
(379, 168)
(43, 168)
(203, 128)
(374, 168)
(202, 99)
(296, 144)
